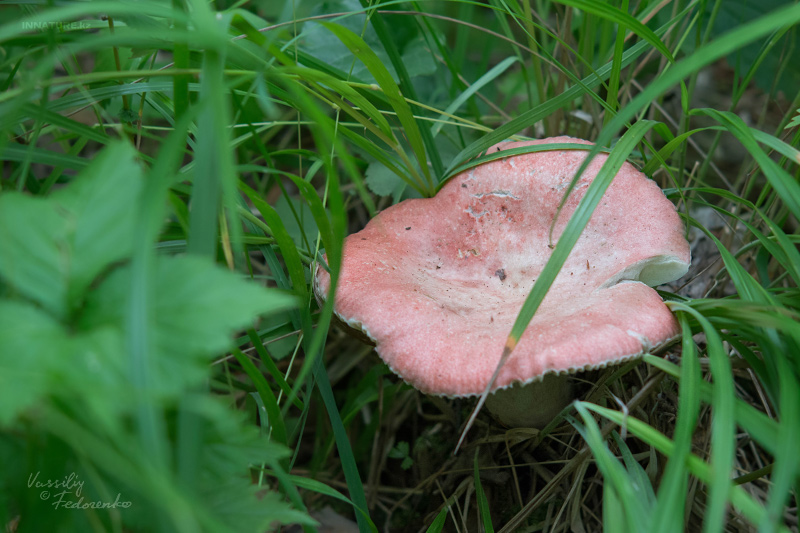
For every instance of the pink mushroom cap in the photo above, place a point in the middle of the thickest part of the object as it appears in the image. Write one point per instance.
(437, 283)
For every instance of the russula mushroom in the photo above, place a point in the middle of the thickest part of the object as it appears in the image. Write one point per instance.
(437, 283)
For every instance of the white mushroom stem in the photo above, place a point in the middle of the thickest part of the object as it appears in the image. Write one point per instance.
(532, 405)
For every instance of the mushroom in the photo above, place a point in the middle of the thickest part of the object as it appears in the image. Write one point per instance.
(437, 283)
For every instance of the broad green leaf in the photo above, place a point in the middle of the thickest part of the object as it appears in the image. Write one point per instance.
(32, 347)
(54, 248)
(795, 121)
(383, 181)
(196, 307)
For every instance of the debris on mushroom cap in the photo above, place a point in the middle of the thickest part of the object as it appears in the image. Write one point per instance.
(439, 299)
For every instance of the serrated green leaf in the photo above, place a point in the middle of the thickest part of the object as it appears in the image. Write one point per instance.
(31, 344)
(196, 308)
(54, 248)
(795, 121)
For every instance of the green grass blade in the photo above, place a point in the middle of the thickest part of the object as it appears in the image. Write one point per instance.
(404, 114)
(287, 246)
(614, 473)
(787, 460)
(271, 366)
(273, 412)
(668, 514)
(346, 456)
(738, 497)
(616, 67)
(541, 111)
(468, 93)
(438, 523)
(576, 224)
(723, 424)
(704, 55)
(566, 242)
(623, 19)
(376, 19)
(484, 510)
(786, 187)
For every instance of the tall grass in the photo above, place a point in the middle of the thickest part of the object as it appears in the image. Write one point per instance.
(155, 155)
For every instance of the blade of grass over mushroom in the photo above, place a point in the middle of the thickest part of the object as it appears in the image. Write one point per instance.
(362, 51)
(668, 514)
(518, 151)
(539, 112)
(569, 237)
(723, 424)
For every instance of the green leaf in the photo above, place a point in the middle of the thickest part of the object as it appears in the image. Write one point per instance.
(196, 307)
(324, 46)
(382, 181)
(795, 121)
(32, 345)
(54, 248)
